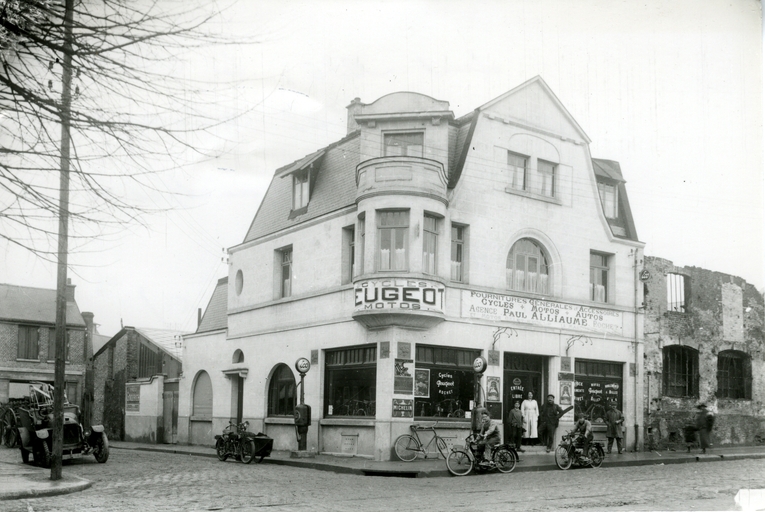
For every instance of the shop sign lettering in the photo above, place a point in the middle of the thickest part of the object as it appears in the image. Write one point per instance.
(399, 294)
(507, 308)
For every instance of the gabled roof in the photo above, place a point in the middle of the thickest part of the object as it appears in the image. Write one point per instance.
(167, 340)
(215, 316)
(34, 305)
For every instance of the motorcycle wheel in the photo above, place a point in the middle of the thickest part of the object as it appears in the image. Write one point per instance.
(42, 454)
(220, 450)
(596, 457)
(459, 463)
(563, 458)
(101, 449)
(406, 448)
(247, 449)
(505, 460)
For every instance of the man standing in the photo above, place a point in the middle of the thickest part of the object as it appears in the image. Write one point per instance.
(704, 423)
(516, 426)
(614, 420)
(548, 421)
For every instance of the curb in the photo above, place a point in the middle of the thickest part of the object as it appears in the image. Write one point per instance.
(73, 484)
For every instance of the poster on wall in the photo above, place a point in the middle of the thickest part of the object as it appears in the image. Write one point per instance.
(565, 393)
(492, 389)
(403, 380)
(422, 383)
(133, 398)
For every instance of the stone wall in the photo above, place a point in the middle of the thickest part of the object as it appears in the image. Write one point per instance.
(722, 312)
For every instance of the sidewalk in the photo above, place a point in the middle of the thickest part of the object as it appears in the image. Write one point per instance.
(436, 467)
(19, 480)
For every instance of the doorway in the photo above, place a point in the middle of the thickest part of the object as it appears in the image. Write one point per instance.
(523, 373)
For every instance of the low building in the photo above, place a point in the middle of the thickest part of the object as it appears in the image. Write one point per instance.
(136, 385)
(27, 341)
(703, 344)
(395, 257)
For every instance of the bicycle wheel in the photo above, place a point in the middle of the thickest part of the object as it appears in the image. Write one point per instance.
(459, 463)
(505, 460)
(406, 448)
(563, 458)
(596, 457)
(442, 448)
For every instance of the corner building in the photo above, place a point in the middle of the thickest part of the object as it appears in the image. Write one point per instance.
(394, 257)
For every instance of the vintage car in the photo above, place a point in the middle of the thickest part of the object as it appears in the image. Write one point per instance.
(36, 429)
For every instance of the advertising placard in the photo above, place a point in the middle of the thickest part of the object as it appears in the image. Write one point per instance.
(397, 294)
(132, 397)
(403, 408)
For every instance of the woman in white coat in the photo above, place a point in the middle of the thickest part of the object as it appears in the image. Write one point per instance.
(530, 412)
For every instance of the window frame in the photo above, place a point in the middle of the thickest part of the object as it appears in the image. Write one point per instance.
(552, 172)
(542, 261)
(460, 243)
(686, 359)
(403, 134)
(430, 237)
(604, 268)
(349, 364)
(739, 385)
(603, 193)
(394, 229)
(436, 358)
(362, 231)
(514, 169)
(52, 344)
(282, 379)
(29, 347)
(301, 189)
(149, 361)
(674, 281)
(284, 260)
(348, 256)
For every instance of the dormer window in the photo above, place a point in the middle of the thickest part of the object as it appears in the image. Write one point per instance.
(609, 198)
(300, 189)
(404, 144)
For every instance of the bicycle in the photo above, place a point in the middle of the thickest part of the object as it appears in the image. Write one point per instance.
(407, 446)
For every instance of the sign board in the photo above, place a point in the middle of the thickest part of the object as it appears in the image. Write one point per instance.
(559, 315)
(302, 365)
(645, 275)
(403, 379)
(396, 294)
(132, 398)
(403, 408)
(592, 393)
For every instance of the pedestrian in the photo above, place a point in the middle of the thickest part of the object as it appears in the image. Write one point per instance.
(614, 421)
(530, 411)
(516, 426)
(548, 421)
(704, 423)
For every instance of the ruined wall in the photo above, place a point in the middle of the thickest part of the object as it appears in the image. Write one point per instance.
(722, 312)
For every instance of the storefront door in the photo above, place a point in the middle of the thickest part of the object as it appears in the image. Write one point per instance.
(523, 373)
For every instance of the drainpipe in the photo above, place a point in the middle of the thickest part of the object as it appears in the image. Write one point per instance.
(637, 367)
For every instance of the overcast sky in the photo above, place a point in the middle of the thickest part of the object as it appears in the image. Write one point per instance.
(671, 90)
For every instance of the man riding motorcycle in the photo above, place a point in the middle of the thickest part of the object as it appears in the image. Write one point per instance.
(488, 436)
(583, 429)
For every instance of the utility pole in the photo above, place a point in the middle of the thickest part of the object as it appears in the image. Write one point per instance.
(63, 249)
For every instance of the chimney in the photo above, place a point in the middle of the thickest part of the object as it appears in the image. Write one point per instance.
(353, 109)
(70, 290)
(199, 317)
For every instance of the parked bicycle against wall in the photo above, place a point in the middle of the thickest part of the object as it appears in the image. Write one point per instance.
(235, 442)
(570, 452)
(461, 461)
(408, 446)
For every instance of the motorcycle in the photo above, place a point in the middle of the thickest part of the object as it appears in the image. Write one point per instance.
(570, 452)
(461, 461)
(236, 442)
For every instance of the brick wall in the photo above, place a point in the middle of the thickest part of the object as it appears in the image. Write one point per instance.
(723, 312)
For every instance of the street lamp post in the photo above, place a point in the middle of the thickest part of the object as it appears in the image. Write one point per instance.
(302, 410)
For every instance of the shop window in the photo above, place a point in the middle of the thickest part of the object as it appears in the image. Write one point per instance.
(459, 253)
(677, 292)
(599, 277)
(300, 189)
(597, 383)
(52, 344)
(392, 233)
(527, 268)
(734, 375)
(444, 380)
(547, 173)
(609, 199)
(680, 371)
(351, 381)
(430, 245)
(202, 397)
(281, 392)
(348, 256)
(404, 144)
(28, 342)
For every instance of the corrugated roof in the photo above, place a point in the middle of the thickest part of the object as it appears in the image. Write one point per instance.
(334, 188)
(215, 316)
(167, 339)
(37, 305)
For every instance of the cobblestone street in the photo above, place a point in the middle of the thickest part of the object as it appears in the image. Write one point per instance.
(133, 480)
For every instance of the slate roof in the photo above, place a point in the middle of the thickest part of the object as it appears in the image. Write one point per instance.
(215, 316)
(21, 304)
(607, 169)
(167, 339)
(612, 171)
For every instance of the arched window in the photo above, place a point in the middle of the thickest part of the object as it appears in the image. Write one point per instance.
(734, 375)
(203, 396)
(681, 371)
(281, 392)
(527, 268)
(238, 357)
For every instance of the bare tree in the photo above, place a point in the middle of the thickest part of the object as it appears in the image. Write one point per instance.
(133, 113)
(87, 96)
